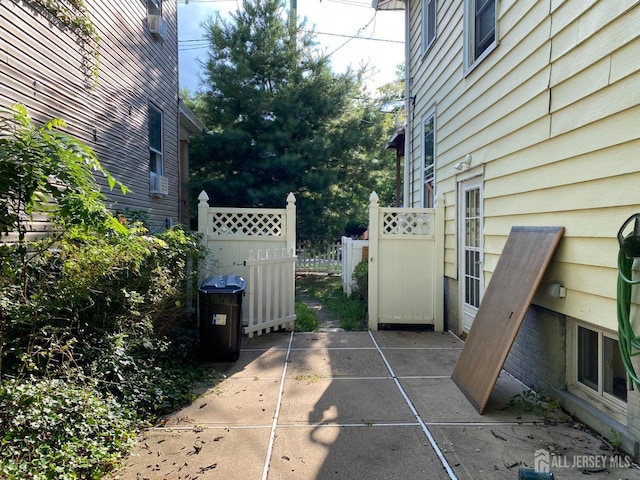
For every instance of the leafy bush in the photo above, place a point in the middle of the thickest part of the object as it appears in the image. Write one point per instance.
(306, 320)
(361, 277)
(149, 375)
(95, 334)
(54, 428)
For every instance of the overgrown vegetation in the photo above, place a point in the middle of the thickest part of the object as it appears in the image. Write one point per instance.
(530, 401)
(95, 339)
(327, 289)
(73, 14)
(306, 320)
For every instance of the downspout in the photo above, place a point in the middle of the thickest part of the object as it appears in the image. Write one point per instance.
(408, 154)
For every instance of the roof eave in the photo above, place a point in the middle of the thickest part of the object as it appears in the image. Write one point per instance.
(388, 4)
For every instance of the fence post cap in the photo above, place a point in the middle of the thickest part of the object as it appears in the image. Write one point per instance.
(203, 197)
(291, 198)
(373, 198)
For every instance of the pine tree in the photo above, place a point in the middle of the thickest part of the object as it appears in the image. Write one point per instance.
(282, 121)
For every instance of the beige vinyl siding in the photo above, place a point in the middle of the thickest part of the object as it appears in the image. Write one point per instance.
(552, 116)
(42, 67)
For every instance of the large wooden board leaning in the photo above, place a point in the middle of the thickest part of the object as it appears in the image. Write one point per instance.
(524, 259)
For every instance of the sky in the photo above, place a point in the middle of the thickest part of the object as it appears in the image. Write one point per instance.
(351, 29)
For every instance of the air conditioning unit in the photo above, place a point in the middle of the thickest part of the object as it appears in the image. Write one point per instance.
(158, 185)
(157, 26)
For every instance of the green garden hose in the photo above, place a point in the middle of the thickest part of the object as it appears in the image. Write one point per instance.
(628, 342)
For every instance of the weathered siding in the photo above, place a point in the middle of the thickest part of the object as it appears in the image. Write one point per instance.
(551, 117)
(41, 66)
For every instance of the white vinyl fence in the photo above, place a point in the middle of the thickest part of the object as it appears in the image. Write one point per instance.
(259, 245)
(406, 265)
(318, 258)
(353, 252)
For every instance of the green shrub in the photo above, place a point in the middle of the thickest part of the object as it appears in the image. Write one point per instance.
(306, 320)
(149, 375)
(361, 277)
(57, 429)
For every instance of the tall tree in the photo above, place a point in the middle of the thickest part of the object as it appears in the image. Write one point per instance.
(282, 121)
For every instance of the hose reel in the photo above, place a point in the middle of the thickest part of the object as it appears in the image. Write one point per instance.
(628, 341)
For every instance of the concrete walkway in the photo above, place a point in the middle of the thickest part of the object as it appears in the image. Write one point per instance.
(358, 405)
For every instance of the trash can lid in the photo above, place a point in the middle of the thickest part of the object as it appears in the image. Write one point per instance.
(223, 284)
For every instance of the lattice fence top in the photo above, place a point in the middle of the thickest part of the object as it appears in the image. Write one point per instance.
(247, 224)
(406, 223)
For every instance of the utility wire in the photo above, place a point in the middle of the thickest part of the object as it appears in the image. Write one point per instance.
(354, 36)
(353, 3)
(202, 40)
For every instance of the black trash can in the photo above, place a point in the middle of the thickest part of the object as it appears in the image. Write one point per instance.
(221, 317)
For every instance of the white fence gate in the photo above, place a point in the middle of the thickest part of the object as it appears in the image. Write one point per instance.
(232, 236)
(270, 297)
(406, 265)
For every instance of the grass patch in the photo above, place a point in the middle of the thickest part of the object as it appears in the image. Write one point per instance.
(327, 289)
(306, 320)
(308, 379)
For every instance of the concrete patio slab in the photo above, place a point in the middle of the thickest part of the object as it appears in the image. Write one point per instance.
(331, 340)
(232, 402)
(266, 341)
(384, 452)
(212, 453)
(408, 339)
(336, 363)
(338, 401)
(430, 395)
(497, 452)
(422, 361)
(331, 409)
(254, 364)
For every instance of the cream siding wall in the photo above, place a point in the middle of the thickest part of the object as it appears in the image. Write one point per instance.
(551, 116)
(41, 66)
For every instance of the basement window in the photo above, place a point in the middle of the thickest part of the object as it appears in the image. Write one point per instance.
(598, 368)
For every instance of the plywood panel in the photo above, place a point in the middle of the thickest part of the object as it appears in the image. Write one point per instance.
(522, 264)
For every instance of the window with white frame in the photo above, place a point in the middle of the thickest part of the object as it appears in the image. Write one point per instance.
(428, 23)
(598, 369)
(480, 29)
(154, 7)
(428, 159)
(156, 167)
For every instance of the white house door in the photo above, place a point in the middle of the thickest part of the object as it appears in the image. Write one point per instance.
(470, 249)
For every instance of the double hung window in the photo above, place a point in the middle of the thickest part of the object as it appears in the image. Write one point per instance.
(155, 141)
(428, 24)
(428, 159)
(480, 22)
